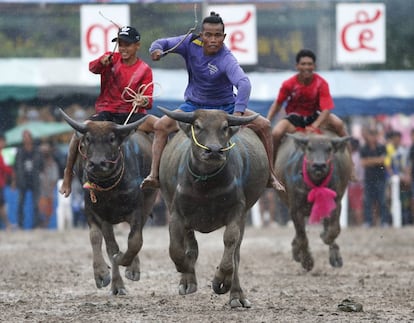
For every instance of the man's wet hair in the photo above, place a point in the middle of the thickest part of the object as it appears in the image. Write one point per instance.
(305, 53)
(214, 18)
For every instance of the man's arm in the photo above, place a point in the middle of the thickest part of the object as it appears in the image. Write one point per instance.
(273, 110)
(372, 161)
(323, 116)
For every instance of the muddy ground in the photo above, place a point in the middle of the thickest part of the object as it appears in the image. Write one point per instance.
(46, 276)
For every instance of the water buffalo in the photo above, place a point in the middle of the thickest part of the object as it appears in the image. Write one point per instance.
(111, 164)
(211, 174)
(315, 169)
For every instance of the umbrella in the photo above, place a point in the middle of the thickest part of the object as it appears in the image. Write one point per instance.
(38, 129)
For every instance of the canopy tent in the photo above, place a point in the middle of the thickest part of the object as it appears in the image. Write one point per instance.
(38, 129)
(354, 93)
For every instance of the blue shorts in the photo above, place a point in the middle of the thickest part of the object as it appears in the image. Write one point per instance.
(191, 106)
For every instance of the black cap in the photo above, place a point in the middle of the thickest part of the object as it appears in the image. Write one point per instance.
(128, 34)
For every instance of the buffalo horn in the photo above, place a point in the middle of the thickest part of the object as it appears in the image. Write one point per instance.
(78, 126)
(187, 117)
(130, 126)
(238, 120)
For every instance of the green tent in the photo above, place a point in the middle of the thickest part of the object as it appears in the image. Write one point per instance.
(38, 129)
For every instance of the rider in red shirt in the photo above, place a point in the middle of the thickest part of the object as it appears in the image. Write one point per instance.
(126, 92)
(308, 102)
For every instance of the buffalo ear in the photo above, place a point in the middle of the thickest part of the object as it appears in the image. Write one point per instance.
(339, 144)
(300, 141)
(233, 130)
(186, 127)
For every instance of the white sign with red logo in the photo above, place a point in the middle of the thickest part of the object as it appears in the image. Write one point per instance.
(241, 30)
(99, 25)
(360, 33)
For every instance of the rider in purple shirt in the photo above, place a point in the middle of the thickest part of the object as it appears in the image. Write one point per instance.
(213, 72)
(207, 71)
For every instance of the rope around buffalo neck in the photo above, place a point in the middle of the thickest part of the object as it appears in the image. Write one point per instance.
(200, 178)
(95, 187)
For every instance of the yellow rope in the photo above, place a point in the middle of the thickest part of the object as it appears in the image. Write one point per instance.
(232, 144)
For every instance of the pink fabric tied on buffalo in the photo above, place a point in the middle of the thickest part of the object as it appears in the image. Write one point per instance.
(322, 197)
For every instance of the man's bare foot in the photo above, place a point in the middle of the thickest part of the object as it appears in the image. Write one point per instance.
(274, 183)
(150, 182)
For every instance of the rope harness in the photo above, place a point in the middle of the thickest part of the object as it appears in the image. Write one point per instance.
(322, 197)
(207, 176)
(232, 144)
(92, 187)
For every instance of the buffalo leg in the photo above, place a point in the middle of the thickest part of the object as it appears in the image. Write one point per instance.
(300, 244)
(331, 230)
(184, 253)
(227, 274)
(112, 248)
(100, 267)
(135, 242)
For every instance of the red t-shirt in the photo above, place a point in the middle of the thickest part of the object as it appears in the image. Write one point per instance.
(115, 78)
(305, 100)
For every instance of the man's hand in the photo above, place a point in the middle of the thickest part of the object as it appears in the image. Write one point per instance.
(156, 55)
(106, 60)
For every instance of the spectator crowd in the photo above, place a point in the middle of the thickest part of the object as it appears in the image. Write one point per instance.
(378, 154)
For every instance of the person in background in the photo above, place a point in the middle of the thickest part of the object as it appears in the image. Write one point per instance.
(308, 103)
(213, 74)
(48, 179)
(375, 179)
(27, 167)
(77, 203)
(396, 162)
(6, 172)
(126, 92)
(411, 169)
(356, 188)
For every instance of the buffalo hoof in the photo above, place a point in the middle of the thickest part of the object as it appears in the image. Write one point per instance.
(220, 287)
(118, 291)
(336, 262)
(102, 280)
(187, 289)
(132, 275)
(235, 302)
(335, 258)
(307, 263)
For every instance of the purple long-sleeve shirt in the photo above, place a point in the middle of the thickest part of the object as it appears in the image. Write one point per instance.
(211, 79)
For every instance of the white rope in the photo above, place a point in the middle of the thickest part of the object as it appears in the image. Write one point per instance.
(137, 97)
(186, 35)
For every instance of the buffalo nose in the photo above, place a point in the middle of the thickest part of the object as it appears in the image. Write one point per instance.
(96, 165)
(214, 149)
(319, 166)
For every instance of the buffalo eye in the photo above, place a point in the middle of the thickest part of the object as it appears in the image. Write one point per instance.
(87, 139)
(197, 127)
(112, 138)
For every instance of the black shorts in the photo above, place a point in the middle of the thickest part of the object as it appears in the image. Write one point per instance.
(301, 121)
(118, 118)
